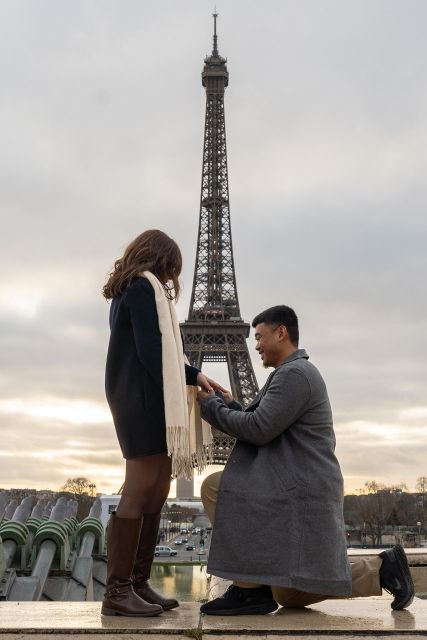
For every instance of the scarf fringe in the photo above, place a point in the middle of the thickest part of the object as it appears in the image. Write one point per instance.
(183, 465)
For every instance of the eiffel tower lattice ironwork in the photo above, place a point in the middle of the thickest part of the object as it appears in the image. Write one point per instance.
(215, 330)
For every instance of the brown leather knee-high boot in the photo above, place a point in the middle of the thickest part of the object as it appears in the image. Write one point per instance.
(144, 560)
(120, 599)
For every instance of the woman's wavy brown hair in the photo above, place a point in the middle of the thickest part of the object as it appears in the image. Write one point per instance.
(151, 251)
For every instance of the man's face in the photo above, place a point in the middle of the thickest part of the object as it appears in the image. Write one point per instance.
(269, 343)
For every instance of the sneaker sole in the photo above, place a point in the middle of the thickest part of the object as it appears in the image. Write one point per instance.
(402, 561)
(261, 609)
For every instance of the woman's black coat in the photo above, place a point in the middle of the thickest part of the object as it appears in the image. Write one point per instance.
(133, 376)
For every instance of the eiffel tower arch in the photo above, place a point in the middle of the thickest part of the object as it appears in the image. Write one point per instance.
(214, 330)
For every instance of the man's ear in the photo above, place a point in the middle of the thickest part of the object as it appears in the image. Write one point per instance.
(283, 332)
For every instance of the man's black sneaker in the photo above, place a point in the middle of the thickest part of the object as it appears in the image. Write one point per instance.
(395, 577)
(241, 602)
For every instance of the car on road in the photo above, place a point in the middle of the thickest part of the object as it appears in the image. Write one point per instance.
(184, 540)
(162, 550)
(190, 547)
(178, 541)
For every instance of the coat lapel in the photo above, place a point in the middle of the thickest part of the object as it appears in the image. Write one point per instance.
(255, 402)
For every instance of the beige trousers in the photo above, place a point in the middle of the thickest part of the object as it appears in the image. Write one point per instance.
(364, 571)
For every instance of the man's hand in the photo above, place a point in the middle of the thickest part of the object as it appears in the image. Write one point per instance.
(228, 398)
(209, 385)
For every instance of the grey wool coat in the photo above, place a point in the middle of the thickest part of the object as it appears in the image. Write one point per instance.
(279, 517)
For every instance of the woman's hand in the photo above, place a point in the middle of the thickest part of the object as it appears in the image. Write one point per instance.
(209, 385)
(201, 395)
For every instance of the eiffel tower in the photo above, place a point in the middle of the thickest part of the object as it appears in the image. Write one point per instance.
(215, 330)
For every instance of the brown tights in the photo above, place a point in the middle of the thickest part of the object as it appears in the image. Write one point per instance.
(146, 487)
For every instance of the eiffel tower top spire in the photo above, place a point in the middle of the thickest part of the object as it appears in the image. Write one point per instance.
(215, 37)
(215, 74)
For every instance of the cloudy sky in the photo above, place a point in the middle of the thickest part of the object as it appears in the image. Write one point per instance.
(101, 127)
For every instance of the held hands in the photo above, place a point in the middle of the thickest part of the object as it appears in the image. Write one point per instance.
(214, 386)
(209, 385)
(226, 395)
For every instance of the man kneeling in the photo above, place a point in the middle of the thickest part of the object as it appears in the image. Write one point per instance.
(277, 508)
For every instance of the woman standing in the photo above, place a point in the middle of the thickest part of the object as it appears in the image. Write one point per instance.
(135, 394)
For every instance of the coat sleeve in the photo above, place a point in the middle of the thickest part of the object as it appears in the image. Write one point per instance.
(191, 375)
(284, 401)
(141, 303)
(235, 405)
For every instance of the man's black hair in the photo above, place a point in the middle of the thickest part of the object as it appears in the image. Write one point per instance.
(280, 315)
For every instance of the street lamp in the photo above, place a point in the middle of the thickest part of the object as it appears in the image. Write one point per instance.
(419, 531)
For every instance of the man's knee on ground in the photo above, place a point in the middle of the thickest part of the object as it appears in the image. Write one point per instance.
(210, 486)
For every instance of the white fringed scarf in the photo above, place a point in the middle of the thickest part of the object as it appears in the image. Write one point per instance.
(188, 437)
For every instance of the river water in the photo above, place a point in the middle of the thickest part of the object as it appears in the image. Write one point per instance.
(187, 583)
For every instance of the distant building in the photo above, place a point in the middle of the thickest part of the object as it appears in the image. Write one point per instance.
(184, 488)
(109, 504)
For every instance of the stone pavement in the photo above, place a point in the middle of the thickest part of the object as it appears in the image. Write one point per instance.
(333, 619)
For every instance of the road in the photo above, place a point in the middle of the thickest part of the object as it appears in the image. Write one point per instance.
(183, 555)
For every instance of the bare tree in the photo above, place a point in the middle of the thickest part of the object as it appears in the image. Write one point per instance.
(375, 507)
(79, 486)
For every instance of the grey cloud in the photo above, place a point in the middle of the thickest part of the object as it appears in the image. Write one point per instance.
(40, 452)
(102, 123)
(394, 464)
(56, 434)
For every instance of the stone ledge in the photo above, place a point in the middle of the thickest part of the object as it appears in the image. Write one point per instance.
(204, 636)
(368, 617)
(313, 634)
(358, 616)
(137, 635)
